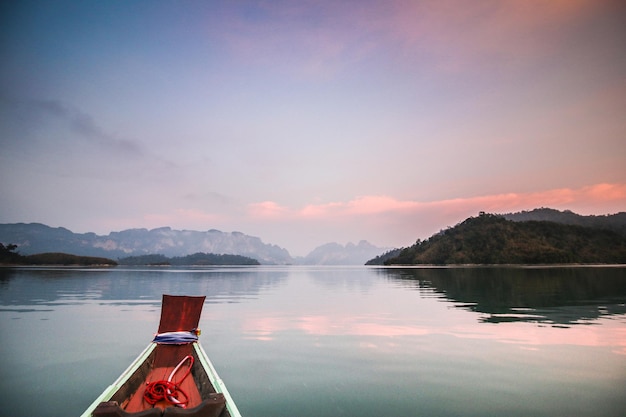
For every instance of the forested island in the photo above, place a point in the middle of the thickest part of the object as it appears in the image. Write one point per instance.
(491, 239)
(8, 256)
(199, 258)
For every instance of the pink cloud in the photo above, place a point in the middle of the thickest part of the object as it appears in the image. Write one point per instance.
(365, 205)
(319, 210)
(392, 222)
(609, 195)
(606, 192)
(267, 209)
(378, 204)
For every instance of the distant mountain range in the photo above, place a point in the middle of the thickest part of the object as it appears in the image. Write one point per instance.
(336, 254)
(34, 238)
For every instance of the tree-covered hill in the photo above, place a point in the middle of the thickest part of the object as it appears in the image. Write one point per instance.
(615, 222)
(491, 239)
(55, 258)
(195, 259)
(8, 256)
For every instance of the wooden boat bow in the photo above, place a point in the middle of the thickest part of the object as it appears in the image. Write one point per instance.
(202, 392)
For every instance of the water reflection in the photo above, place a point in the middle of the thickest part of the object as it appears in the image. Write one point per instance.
(67, 286)
(368, 341)
(562, 296)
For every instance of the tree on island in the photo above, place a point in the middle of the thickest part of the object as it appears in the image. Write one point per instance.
(8, 255)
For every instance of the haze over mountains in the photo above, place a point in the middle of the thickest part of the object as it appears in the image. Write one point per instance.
(38, 238)
(35, 238)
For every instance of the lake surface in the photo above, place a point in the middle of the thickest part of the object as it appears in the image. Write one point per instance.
(331, 341)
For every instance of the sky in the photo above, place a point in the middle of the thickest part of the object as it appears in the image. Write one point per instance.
(309, 122)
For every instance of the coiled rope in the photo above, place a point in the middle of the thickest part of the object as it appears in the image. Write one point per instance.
(169, 390)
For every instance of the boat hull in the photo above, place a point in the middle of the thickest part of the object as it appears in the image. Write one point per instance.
(198, 387)
(132, 381)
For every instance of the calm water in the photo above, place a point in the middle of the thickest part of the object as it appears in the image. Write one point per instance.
(315, 341)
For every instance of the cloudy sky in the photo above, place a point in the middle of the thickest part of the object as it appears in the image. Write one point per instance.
(308, 122)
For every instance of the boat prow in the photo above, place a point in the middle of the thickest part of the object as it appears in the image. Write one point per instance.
(173, 376)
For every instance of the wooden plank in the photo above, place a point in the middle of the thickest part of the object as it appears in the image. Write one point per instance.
(180, 313)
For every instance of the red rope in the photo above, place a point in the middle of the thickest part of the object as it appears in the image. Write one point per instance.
(167, 389)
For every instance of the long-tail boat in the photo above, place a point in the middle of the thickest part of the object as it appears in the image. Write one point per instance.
(173, 376)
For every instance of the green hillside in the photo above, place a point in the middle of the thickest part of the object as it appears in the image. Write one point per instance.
(491, 239)
(8, 256)
(194, 259)
(56, 258)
